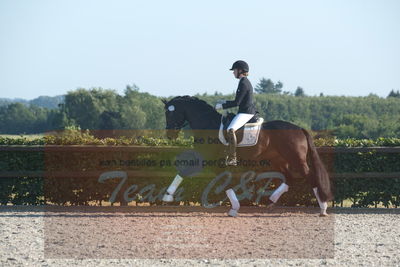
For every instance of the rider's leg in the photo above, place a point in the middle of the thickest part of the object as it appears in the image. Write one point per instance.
(232, 147)
(238, 121)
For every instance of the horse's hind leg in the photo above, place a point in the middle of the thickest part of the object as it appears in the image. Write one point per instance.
(322, 204)
(284, 187)
(304, 171)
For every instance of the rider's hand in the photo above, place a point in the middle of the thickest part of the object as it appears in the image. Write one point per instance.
(218, 106)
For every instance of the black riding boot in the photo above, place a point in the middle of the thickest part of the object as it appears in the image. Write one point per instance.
(231, 160)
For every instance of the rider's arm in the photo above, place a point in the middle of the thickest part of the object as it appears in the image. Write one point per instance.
(240, 93)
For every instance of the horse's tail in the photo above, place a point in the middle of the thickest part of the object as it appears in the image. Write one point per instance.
(318, 171)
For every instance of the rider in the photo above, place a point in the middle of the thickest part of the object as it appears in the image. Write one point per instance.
(243, 99)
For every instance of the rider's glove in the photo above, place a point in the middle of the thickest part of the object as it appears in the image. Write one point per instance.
(218, 106)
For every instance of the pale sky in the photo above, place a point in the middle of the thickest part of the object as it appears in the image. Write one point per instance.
(169, 48)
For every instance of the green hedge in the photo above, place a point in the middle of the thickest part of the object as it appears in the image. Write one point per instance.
(89, 191)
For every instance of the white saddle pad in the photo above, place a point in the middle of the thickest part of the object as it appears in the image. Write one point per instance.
(250, 133)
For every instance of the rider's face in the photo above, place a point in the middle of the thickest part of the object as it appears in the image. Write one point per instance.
(236, 73)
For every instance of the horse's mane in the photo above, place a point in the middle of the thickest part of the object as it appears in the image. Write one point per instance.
(197, 103)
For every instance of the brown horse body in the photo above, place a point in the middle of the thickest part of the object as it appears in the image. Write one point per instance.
(289, 148)
(291, 151)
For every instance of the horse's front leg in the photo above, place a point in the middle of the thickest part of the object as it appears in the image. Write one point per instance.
(233, 212)
(169, 195)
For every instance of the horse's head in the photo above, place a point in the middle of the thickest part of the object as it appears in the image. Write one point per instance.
(175, 117)
(183, 110)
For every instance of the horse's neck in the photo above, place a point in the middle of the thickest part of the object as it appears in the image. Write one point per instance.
(199, 120)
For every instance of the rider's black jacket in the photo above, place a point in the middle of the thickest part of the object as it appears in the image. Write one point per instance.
(244, 98)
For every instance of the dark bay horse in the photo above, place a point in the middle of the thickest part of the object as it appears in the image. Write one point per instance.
(289, 148)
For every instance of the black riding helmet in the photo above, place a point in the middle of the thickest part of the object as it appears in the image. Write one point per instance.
(240, 65)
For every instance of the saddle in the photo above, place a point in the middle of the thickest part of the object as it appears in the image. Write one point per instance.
(247, 135)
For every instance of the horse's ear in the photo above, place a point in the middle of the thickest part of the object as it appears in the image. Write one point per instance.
(164, 101)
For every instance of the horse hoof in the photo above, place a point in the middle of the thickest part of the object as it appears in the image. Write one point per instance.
(233, 213)
(168, 198)
(270, 206)
(323, 215)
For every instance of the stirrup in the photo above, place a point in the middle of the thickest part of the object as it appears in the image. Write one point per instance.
(231, 161)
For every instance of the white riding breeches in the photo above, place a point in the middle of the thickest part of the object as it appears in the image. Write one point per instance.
(239, 120)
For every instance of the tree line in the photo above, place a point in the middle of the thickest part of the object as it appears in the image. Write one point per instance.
(97, 108)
